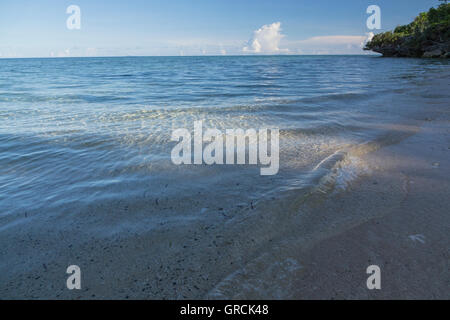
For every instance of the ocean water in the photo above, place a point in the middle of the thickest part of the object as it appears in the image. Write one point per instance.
(92, 135)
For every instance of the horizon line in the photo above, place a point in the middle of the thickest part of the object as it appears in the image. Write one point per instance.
(180, 56)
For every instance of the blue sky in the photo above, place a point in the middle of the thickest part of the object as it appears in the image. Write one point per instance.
(32, 28)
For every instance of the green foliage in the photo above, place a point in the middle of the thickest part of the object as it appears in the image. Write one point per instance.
(384, 38)
(433, 25)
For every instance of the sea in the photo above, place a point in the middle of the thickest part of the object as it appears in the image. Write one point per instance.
(81, 131)
(87, 175)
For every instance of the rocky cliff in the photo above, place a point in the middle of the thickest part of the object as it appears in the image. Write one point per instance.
(428, 36)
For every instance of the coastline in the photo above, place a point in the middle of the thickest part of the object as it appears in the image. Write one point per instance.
(307, 244)
(405, 232)
(426, 37)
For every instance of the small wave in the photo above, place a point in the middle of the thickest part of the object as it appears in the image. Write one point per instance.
(341, 168)
(338, 97)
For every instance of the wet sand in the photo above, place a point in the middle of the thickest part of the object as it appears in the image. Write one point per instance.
(388, 206)
(406, 232)
(409, 241)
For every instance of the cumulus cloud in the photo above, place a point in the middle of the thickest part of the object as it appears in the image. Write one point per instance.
(266, 40)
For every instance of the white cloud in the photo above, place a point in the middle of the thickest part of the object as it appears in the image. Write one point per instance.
(332, 40)
(65, 53)
(340, 44)
(266, 40)
(91, 52)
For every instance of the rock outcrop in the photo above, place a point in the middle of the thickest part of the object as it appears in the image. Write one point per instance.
(428, 36)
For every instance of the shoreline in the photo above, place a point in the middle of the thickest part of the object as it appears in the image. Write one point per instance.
(370, 222)
(405, 233)
(409, 240)
(301, 244)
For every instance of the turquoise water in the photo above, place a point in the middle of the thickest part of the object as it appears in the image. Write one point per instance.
(81, 133)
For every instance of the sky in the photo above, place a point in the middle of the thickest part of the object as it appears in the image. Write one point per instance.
(38, 28)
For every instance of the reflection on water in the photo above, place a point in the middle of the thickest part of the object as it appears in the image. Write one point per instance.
(83, 131)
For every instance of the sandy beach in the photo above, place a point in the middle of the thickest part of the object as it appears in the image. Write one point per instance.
(221, 154)
(363, 180)
(386, 206)
(405, 232)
